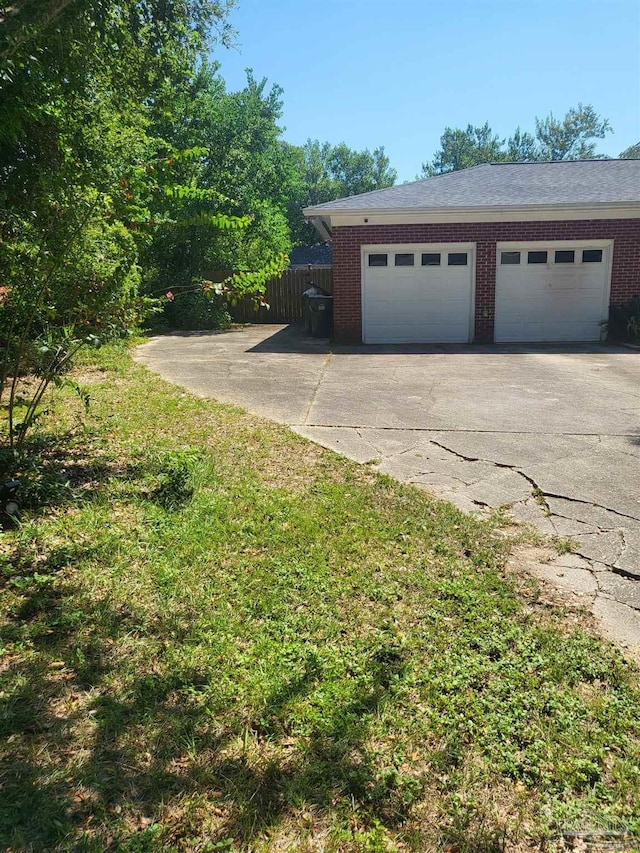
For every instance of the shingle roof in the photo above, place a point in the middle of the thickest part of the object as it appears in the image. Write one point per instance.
(321, 255)
(560, 183)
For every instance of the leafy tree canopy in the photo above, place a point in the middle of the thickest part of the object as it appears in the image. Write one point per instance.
(95, 98)
(242, 167)
(570, 138)
(573, 137)
(333, 171)
(326, 172)
(631, 153)
(464, 148)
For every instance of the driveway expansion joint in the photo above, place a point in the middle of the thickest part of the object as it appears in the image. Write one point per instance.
(474, 431)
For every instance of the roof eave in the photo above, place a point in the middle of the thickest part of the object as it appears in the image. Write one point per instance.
(309, 212)
(322, 227)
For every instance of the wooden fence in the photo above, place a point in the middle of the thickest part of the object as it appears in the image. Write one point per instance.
(283, 295)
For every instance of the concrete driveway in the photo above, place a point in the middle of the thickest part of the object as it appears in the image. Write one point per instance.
(553, 432)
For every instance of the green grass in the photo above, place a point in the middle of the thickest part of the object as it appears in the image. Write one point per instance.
(218, 636)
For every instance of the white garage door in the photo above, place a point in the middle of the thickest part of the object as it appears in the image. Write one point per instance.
(552, 291)
(417, 294)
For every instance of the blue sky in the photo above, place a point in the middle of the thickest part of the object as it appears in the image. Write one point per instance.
(396, 72)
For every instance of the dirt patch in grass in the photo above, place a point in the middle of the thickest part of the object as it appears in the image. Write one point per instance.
(217, 636)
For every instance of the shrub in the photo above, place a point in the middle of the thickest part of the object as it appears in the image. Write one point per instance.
(64, 287)
(88, 280)
(192, 311)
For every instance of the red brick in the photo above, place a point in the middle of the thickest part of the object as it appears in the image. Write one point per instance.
(347, 242)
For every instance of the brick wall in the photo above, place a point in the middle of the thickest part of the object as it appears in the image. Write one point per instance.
(347, 240)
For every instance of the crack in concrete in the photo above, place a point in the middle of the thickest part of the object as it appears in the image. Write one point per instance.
(623, 573)
(623, 549)
(585, 523)
(370, 444)
(411, 449)
(439, 474)
(539, 492)
(620, 570)
(478, 502)
(536, 492)
(594, 504)
(610, 566)
(323, 371)
(617, 601)
(541, 496)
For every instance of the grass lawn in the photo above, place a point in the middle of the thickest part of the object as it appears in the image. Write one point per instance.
(216, 635)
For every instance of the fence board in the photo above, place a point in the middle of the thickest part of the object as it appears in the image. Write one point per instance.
(283, 295)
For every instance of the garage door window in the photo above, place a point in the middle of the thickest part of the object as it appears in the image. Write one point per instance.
(404, 260)
(431, 259)
(509, 257)
(592, 256)
(565, 256)
(536, 257)
(457, 259)
(377, 260)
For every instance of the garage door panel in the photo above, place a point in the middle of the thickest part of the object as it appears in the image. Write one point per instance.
(552, 301)
(417, 304)
(401, 333)
(555, 332)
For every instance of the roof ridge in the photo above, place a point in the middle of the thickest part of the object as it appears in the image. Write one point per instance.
(559, 162)
(450, 172)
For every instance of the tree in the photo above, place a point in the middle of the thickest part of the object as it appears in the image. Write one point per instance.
(247, 161)
(327, 172)
(87, 181)
(241, 170)
(570, 138)
(82, 86)
(461, 149)
(631, 153)
(522, 148)
(338, 169)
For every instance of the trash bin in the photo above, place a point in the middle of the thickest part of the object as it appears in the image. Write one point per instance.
(306, 308)
(317, 312)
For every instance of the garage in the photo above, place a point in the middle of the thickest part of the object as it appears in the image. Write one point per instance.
(551, 248)
(552, 291)
(417, 293)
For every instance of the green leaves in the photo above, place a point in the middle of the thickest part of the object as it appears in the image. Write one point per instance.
(222, 205)
(327, 172)
(464, 148)
(243, 283)
(631, 153)
(215, 220)
(569, 138)
(188, 155)
(196, 194)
